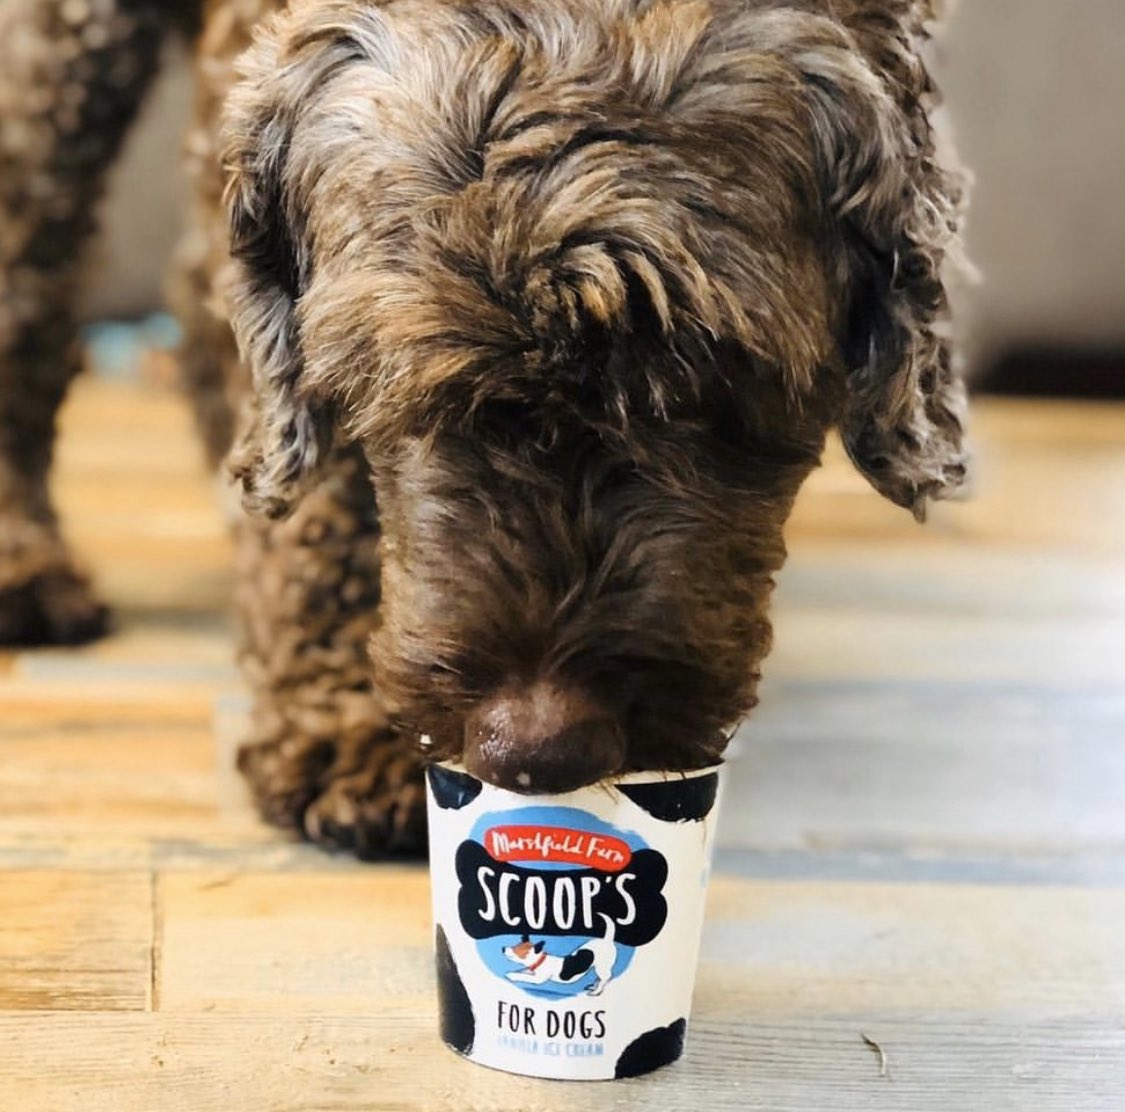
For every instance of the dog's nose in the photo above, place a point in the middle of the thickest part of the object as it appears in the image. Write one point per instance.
(542, 737)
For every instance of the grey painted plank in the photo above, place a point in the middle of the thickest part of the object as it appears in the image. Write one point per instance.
(955, 768)
(967, 1064)
(971, 1063)
(1077, 870)
(862, 642)
(61, 668)
(284, 855)
(977, 581)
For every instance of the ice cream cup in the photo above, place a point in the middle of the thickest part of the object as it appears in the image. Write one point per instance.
(567, 926)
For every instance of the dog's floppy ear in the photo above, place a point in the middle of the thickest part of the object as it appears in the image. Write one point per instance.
(287, 431)
(524, 938)
(538, 947)
(896, 211)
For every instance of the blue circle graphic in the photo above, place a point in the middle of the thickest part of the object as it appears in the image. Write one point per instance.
(492, 950)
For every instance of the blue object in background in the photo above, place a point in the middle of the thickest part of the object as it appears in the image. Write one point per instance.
(115, 348)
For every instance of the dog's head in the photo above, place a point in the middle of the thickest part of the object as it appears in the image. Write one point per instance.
(524, 952)
(589, 282)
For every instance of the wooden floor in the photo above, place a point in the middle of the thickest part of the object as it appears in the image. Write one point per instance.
(923, 848)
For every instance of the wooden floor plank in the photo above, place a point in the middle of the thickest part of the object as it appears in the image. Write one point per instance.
(972, 582)
(151, 779)
(384, 1063)
(81, 705)
(361, 942)
(74, 941)
(866, 643)
(161, 637)
(945, 766)
(778, 948)
(296, 942)
(1045, 475)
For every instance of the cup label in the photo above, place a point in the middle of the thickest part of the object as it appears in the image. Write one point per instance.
(561, 898)
(567, 935)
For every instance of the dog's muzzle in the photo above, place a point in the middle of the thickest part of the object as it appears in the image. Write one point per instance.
(542, 737)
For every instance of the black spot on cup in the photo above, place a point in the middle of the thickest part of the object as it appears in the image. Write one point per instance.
(576, 965)
(688, 800)
(458, 1026)
(653, 1049)
(452, 790)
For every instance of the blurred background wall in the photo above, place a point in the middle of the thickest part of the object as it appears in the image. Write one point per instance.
(1036, 92)
(143, 214)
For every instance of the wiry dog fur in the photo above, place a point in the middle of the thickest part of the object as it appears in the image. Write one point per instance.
(577, 287)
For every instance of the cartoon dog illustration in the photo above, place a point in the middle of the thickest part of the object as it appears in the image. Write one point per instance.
(598, 954)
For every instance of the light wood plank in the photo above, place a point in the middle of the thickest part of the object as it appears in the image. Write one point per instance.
(84, 705)
(385, 1063)
(361, 943)
(230, 843)
(75, 941)
(1047, 474)
(138, 502)
(151, 781)
(164, 637)
(183, 580)
(296, 942)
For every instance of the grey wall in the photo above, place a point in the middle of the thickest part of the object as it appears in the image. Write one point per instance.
(1036, 91)
(143, 215)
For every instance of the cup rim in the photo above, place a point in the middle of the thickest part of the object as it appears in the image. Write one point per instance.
(652, 776)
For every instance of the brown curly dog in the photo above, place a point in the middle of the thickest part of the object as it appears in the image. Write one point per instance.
(573, 289)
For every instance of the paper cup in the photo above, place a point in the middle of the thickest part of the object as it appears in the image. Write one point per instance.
(567, 926)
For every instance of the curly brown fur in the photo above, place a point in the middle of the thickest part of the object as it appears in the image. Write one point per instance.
(577, 287)
(588, 281)
(325, 758)
(71, 78)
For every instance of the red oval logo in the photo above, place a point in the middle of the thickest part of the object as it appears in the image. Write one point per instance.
(557, 843)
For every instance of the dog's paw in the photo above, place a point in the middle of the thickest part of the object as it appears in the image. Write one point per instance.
(366, 796)
(285, 775)
(377, 811)
(54, 607)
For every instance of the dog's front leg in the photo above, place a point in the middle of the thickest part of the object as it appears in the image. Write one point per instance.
(324, 760)
(71, 80)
